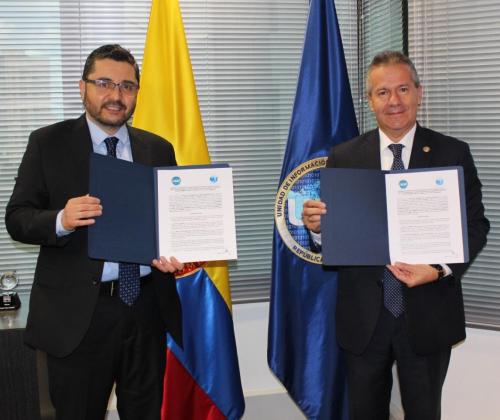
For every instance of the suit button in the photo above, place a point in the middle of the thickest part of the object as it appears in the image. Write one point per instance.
(380, 283)
(95, 281)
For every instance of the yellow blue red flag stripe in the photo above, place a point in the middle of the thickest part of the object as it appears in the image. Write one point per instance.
(202, 379)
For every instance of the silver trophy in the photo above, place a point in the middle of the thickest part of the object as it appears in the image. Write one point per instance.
(9, 300)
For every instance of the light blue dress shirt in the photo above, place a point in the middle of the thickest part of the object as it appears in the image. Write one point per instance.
(123, 151)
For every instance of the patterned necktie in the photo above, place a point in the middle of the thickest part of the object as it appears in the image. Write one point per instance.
(128, 274)
(393, 289)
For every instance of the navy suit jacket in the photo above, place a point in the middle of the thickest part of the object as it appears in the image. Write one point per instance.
(434, 312)
(55, 168)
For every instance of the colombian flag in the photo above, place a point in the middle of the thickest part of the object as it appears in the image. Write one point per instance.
(202, 379)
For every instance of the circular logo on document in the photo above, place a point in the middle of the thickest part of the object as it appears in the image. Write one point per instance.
(300, 185)
(176, 180)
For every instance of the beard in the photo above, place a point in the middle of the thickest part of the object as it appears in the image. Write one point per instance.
(97, 112)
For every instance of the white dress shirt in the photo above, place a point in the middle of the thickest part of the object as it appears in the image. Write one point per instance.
(386, 159)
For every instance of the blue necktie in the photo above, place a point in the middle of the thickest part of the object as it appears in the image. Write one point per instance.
(128, 274)
(393, 288)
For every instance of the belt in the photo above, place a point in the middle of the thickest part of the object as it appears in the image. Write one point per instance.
(110, 288)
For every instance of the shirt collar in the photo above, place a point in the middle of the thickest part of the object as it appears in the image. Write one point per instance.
(98, 135)
(406, 141)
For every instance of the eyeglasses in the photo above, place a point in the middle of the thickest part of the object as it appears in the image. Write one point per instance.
(103, 85)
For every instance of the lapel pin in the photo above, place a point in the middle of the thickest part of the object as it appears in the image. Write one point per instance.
(426, 149)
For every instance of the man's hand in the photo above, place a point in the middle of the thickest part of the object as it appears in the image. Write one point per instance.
(167, 265)
(80, 211)
(311, 215)
(413, 274)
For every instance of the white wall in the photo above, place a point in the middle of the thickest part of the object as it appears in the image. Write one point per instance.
(250, 325)
(265, 397)
(471, 390)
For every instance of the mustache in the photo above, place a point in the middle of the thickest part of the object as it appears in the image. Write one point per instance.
(114, 103)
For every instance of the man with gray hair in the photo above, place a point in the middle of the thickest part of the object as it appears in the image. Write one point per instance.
(410, 314)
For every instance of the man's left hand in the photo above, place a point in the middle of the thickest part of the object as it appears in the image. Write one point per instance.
(167, 265)
(413, 274)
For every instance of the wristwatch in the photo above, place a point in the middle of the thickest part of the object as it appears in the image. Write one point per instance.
(440, 270)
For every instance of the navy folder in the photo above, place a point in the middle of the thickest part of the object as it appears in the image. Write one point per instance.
(127, 229)
(354, 230)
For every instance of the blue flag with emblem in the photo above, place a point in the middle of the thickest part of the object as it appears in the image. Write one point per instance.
(302, 346)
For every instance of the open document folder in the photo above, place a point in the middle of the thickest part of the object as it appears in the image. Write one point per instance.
(377, 217)
(181, 211)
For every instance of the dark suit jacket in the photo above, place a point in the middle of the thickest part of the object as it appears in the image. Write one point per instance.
(434, 311)
(55, 168)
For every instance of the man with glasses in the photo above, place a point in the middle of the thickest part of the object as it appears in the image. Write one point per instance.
(99, 322)
(410, 314)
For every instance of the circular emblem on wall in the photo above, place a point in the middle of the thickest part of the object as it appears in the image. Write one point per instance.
(300, 185)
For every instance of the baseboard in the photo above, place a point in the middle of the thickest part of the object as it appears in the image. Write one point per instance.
(274, 406)
(271, 406)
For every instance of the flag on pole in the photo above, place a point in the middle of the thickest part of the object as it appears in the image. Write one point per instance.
(302, 346)
(202, 379)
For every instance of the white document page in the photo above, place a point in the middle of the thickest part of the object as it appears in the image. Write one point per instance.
(196, 214)
(424, 217)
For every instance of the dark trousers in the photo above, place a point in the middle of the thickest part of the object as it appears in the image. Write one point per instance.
(369, 375)
(124, 345)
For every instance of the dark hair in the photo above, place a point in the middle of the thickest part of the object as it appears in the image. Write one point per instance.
(113, 52)
(391, 57)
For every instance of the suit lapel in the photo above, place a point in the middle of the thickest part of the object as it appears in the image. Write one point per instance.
(139, 148)
(81, 147)
(371, 154)
(421, 150)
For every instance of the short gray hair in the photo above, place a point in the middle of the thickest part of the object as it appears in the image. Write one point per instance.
(386, 58)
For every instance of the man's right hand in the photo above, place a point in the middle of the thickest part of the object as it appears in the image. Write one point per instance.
(80, 211)
(311, 214)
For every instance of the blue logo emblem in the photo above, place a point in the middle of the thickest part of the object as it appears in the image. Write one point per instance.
(300, 185)
(440, 182)
(403, 184)
(176, 180)
(214, 179)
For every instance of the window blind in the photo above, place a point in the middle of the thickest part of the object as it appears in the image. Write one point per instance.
(246, 59)
(245, 56)
(456, 48)
(381, 28)
(43, 45)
